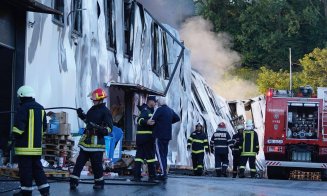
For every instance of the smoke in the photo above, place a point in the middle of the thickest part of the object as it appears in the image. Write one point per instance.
(172, 12)
(212, 56)
(211, 53)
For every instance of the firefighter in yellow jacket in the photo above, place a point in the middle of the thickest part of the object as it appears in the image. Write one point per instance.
(30, 122)
(249, 149)
(198, 141)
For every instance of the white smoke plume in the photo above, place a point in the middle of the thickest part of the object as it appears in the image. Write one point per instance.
(212, 56)
(211, 53)
(172, 12)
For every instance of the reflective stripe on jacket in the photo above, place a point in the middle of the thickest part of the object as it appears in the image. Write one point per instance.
(220, 141)
(250, 145)
(30, 123)
(100, 115)
(144, 131)
(198, 141)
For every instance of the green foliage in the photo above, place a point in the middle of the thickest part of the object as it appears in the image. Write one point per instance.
(277, 79)
(315, 68)
(314, 73)
(263, 30)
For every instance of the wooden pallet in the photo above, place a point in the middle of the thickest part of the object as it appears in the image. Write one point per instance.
(56, 153)
(14, 172)
(56, 173)
(9, 172)
(62, 137)
(307, 176)
(58, 141)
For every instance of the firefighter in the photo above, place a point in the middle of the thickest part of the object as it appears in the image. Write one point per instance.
(199, 143)
(249, 149)
(30, 122)
(145, 150)
(237, 141)
(92, 144)
(219, 143)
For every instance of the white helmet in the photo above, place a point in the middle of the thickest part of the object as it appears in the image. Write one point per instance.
(239, 127)
(25, 91)
(249, 125)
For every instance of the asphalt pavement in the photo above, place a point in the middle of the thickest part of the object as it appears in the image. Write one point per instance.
(187, 185)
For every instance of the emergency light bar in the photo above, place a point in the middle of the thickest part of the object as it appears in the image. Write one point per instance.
(279, 93)
(312, 104)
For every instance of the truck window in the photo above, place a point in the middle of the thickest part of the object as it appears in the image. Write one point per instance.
(302, 120)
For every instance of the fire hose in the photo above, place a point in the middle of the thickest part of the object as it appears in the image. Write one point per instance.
(52, 108)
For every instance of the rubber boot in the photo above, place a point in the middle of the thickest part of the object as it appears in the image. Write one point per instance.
(73, 183)
(99, 185)
(234, 174)
(241, 175)
(253, 174)
(218, 172)
(45, 191)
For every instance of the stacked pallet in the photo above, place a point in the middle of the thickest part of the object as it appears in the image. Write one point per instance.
(57, 142)
(302, 175)
(14, 172)
(57, 149)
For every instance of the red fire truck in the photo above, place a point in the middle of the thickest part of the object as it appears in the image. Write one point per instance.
(296, 132)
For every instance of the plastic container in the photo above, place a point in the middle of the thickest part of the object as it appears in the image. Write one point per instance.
(110, 146)
(53, 125)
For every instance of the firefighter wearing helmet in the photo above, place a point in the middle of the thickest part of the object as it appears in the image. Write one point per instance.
(237, 142)
(249, 149)
(92, 144)
(219, 143)
(199, 143)
(30, 122)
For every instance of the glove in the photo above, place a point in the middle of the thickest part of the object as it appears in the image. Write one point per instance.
(207, 150)
(212, 150)
(188, 148)
(80, 113)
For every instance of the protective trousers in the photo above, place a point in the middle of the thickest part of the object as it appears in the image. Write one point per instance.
(236, 163)
(221, 163)
(251, 159)
(96, 163)
(145, 152)
(162, 152)
(197, 159)
(30, 168)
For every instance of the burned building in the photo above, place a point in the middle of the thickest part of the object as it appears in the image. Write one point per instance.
(66, 48)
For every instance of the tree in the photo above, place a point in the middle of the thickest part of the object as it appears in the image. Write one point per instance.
(276, 79)
(263, 30)
(315, 68)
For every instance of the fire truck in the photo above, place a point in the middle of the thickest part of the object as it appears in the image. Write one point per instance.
(296, 132)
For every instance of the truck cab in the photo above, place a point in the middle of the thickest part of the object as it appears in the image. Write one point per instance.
(295, 132)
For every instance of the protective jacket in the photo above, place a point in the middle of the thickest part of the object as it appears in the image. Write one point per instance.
(144, 131)
(30, 122)
(250, 145)
(98, 124)
(237, 142)
(199, 142)
(220, 141)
